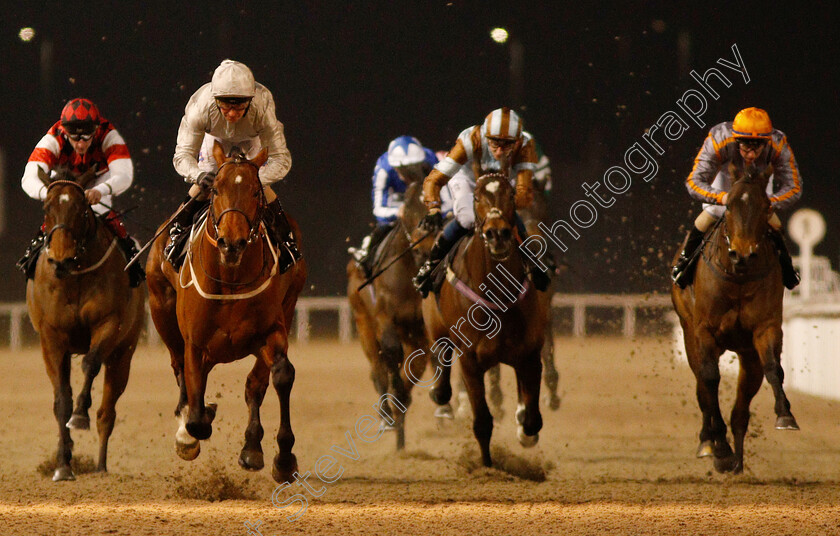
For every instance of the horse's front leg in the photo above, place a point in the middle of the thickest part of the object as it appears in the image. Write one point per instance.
(57, 362)
(550, 374)
(494, 378)
(275, 356)
(768, 344)
(195, 419)
(251, 457)
(750, 377)
(528, 417)
(473, 377)
(703, 356)
(101, 345)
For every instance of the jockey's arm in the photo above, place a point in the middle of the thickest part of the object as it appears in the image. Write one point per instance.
(381, 210)
(272, 136)
(524, 164)
(786, 174)
(190, 136)
(120, 172)
(45, 157)
(441, 173)
(706, 166)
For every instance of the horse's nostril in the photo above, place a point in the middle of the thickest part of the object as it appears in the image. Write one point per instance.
(753, 255)
(733, 255)
(505, 234)
(241, 243)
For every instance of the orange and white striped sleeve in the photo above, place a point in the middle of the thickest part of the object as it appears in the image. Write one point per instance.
(442, 172)
(785, 174)
(706, 166)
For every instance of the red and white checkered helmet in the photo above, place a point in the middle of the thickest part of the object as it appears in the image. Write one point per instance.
(502, 124)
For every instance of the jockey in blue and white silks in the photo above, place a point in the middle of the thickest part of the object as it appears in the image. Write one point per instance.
(406, 161)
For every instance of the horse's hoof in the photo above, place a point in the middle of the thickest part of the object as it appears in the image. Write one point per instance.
(739, 467)
(78, 422)
(63, 473)
(283, 471)
(786, 422)
(726, 465)
(704, 450)
(526, 441)
(444, 412)
(553, 402)
(251, 460)
(188, 451)
(385, 426)
(520, 414)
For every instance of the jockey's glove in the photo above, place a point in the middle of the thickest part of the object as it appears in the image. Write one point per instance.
(432, 221)
(205, 181)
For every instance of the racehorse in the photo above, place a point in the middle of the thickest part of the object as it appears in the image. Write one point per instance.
(480, 328)
(735, 303)
(388, 315)
(80, 302)
(537, 212)
(229, 301)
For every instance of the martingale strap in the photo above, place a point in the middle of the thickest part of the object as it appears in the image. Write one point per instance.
(474, 297)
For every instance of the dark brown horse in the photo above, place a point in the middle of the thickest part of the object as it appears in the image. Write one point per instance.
(80, 302)
(488, 313)
(735, 303)
(388, 315)
(228, 302)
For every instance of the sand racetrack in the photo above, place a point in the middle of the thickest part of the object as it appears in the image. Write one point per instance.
(618, 456)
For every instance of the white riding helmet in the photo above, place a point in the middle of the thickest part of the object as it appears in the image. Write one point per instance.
(233, 79)
(405, 151)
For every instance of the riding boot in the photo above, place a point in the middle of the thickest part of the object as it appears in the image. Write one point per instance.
(540, 277)
(282, 230)
(790, 277)
(29, 260)
(683, 271)
(451, 234)
(180, 226)
(365, 255)
(136, 274)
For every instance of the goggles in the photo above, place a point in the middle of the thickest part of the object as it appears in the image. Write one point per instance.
(500, 143)
(752, 144)
(235, 104)
(79, 137)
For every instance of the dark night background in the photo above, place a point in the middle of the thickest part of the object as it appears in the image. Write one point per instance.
(349, 76)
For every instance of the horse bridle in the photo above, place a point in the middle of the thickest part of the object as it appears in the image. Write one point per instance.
(81, 244)
(254, 226)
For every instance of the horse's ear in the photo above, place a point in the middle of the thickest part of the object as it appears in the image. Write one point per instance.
(766, 174)
(261, 158)
(85, 178)
(44, 176)
(735, 172)
(218, 153)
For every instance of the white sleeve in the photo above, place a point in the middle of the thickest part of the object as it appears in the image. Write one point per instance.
(31, 183)
(190, 136)
(120, 172)
(272, 137)
(381, 210)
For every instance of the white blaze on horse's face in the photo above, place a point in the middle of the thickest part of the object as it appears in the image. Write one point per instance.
(494, 213)
(492, 187)
(64, 198)
(238, 179)
(745, 197)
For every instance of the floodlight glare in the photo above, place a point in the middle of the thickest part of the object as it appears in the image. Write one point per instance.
(26, 34)
(499, 35)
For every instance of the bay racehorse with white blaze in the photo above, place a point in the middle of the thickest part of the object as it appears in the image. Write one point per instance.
(490, 329)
